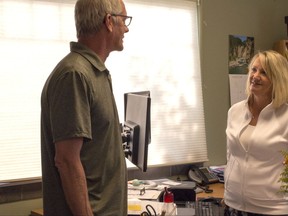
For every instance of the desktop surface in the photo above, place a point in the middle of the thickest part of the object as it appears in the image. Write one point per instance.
(218, 193)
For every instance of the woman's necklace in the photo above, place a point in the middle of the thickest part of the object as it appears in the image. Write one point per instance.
(254, 114)
(256, 108)
(251, 111)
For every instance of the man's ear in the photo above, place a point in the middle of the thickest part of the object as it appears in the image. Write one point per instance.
(108, 21)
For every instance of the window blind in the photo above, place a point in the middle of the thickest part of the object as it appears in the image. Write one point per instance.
(34, 36)
(161, 54)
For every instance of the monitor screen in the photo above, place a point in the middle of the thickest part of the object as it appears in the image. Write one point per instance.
(137, 122)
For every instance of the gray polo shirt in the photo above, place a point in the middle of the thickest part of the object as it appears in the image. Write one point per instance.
(77, 101)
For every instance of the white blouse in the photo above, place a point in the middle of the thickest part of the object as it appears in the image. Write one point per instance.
(245, 137)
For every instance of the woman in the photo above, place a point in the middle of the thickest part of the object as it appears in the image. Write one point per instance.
(257, 132)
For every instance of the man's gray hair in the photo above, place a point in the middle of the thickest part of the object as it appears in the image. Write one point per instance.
(90, 14)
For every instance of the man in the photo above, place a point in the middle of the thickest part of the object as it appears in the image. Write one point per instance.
(83, 164)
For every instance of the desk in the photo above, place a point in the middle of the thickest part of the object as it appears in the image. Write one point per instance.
(218, 191)
(37, 212)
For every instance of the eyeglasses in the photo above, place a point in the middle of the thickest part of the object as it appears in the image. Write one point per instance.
(127, 19)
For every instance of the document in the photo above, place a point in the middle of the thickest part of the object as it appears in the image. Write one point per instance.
(136, 207)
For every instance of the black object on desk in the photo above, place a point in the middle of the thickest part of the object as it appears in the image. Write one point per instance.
(209, 207)
(183, 193)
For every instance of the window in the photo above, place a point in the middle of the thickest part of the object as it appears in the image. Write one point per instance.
(161, 54)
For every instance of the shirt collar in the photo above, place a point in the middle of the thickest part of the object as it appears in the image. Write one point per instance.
(90, 55)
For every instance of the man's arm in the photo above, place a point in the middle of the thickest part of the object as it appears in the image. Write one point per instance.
(67, 160)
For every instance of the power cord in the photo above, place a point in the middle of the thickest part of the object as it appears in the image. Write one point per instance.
(205, 188)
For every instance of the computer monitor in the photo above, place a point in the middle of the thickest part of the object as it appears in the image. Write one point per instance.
(137, 126)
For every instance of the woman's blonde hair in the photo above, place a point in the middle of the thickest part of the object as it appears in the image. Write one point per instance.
(276, 68)
(90, 14)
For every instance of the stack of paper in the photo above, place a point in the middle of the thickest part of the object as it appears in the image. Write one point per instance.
(219, 171)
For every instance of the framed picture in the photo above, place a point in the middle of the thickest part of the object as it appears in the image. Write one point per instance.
(241, 50)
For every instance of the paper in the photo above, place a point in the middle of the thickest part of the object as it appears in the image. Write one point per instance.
(136, 207)
(147, 195)
(170, 182)
(237, 88)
